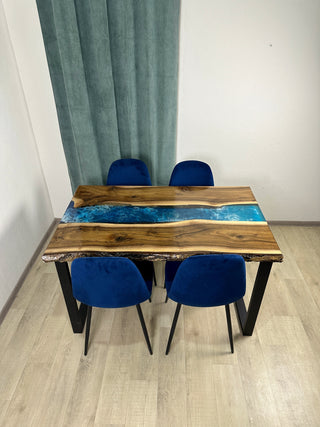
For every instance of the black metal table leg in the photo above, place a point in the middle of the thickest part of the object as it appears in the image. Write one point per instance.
(77, 315)
(247, 319)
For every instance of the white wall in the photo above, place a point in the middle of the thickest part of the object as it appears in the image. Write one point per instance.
(249, 99)
(25, 209)
(25, 33)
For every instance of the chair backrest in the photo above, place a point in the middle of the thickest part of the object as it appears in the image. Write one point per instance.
(128, 172)
(109, 282)
(191, 172)
(209, 280)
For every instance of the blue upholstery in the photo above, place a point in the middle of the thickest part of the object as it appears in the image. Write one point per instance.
(110, 282)
(128, 172)
(209, 280)
(191, 172)
(187, 173)
(170, 272)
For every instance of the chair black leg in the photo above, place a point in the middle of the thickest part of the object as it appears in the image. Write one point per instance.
(143, 325)
(87, 330)
(154, 276)
(227, 307)
(173, 327)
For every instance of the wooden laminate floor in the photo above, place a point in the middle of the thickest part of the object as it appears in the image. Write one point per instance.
(272, 379)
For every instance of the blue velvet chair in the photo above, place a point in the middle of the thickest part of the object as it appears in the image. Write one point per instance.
(187, 173)
(128, 172)
(207, 281)
(110, 282)
(191, 173)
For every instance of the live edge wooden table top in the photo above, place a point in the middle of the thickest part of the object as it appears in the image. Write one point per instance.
(163, 223)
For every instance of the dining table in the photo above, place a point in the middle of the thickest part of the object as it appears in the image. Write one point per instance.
(163, 223)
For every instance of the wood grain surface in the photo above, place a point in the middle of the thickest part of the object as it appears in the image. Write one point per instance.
(91, 195)
(254, 240)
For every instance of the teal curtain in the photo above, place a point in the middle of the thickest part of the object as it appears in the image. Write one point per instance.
(114, 70)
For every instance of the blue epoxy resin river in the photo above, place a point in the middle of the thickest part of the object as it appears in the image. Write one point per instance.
(160, 214)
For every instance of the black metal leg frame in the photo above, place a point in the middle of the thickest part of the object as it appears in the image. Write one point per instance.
(77, 315)
(247, 319)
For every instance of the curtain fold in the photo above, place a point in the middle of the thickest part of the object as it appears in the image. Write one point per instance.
(114, 70)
